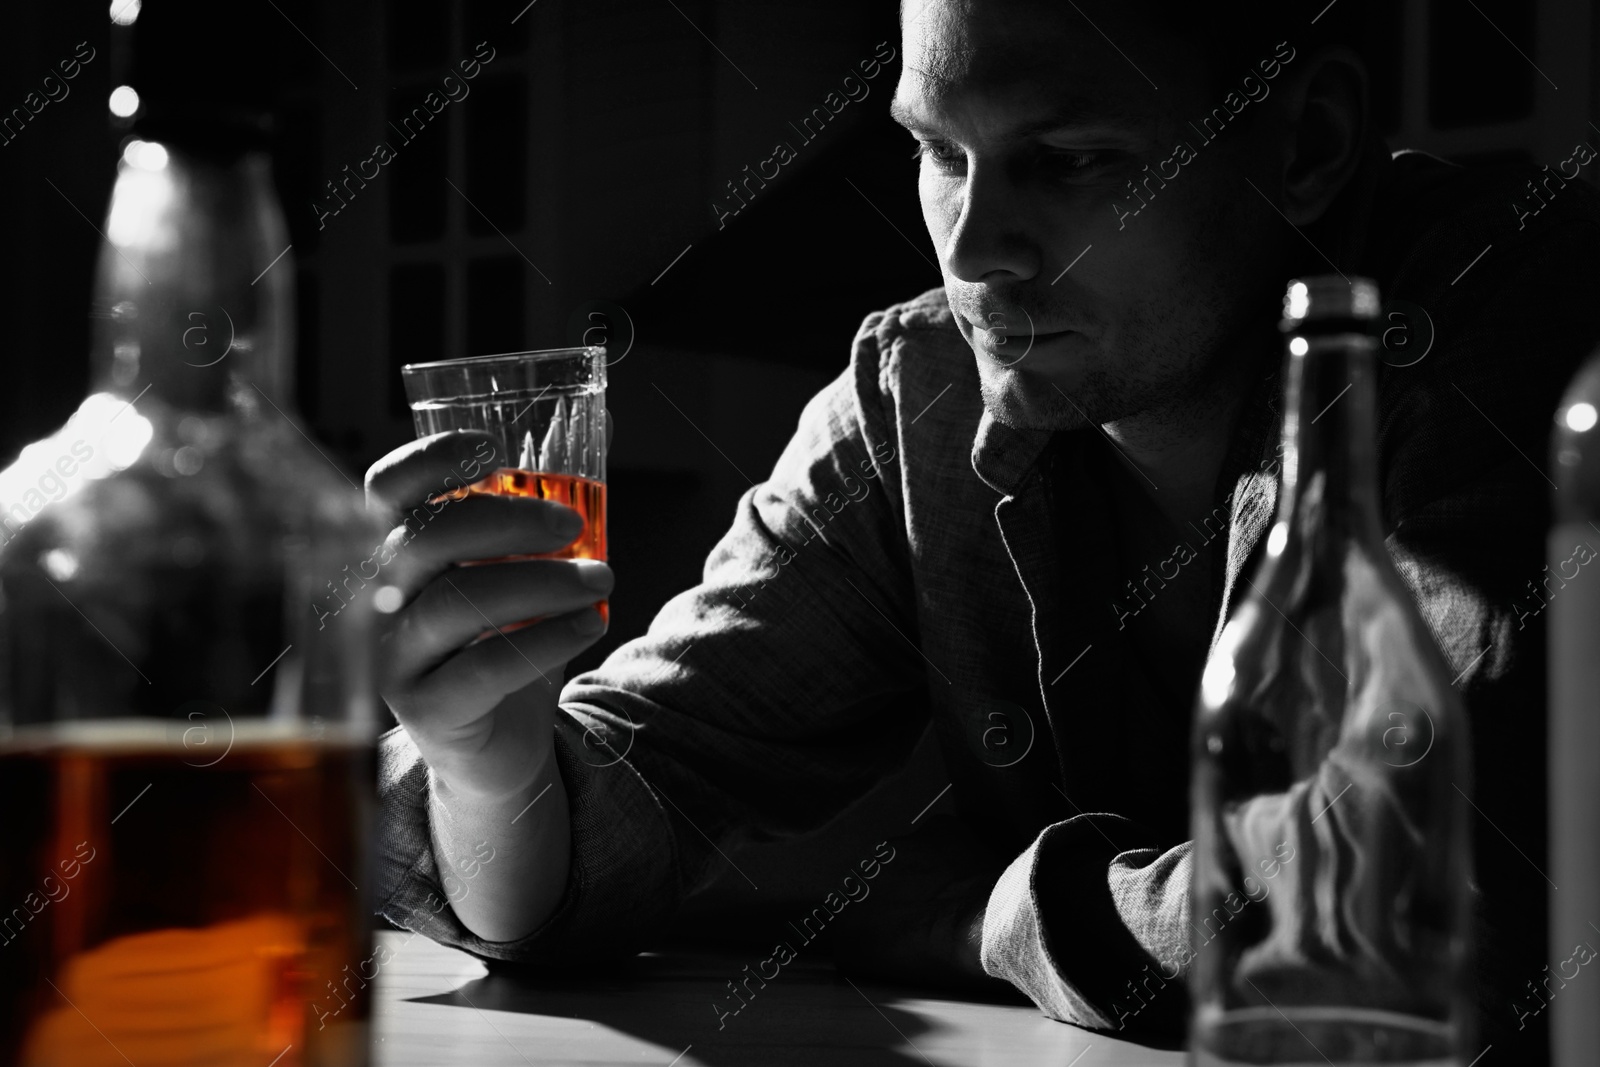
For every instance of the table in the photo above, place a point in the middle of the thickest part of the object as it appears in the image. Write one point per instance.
(437, 1006)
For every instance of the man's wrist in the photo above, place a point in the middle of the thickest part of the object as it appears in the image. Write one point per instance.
(496, 777)
(458, 792)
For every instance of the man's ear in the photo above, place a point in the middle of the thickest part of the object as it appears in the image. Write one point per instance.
(1325, 108)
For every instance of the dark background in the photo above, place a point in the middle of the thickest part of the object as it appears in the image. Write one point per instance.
(584, 166)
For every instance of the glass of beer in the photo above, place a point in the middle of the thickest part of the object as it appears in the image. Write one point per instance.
(547, 411)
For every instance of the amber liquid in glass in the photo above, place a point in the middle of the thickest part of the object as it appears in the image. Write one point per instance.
(584, 495)
(168, 907)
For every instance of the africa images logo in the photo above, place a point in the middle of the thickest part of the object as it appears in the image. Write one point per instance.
(1408, 737)
(1002, 734)
(1251, 89)
(810, 128)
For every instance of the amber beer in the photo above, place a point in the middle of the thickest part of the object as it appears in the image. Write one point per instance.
(172, 904)
(584, 495)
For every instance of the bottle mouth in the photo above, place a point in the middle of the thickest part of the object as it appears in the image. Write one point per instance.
(1329, 298)
(1574, 446)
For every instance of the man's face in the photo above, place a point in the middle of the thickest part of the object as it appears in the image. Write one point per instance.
(1032, 123)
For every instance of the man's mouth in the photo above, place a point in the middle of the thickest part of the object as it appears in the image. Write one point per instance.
(1009, 346)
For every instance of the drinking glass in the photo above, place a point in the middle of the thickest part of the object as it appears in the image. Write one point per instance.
(545, 408)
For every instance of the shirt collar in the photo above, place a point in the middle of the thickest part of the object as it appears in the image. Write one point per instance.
(1002, 456)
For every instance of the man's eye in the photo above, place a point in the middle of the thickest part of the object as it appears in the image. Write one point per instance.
(1074, 162)
(941, 153)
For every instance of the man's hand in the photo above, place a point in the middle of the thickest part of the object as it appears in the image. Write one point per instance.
(932, 941)
(446, 661)
(479, 700)
(923, 923)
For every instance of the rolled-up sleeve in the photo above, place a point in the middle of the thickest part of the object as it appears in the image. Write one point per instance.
(1093, 934)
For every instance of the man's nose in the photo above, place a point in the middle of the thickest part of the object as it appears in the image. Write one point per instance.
(990, 235)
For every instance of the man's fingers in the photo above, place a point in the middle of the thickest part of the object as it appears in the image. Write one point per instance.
(441, 675)
(431, 537)
(464, 602)
(506, 662)
(432, 466)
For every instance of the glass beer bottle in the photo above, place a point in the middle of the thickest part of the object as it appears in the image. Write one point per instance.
(186, 743)
(1331, 887)
(1574, 741)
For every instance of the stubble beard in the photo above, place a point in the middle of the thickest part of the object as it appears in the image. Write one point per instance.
(1023, 401)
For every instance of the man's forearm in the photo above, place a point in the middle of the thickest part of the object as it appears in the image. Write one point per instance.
(503, 862)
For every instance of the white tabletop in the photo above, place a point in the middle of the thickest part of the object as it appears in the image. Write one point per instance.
(436, 1007)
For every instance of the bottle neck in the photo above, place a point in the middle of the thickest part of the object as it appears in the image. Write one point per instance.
(1330, 467)
(193, 301)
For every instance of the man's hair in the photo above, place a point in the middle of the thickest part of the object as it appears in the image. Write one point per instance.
(1233, 37)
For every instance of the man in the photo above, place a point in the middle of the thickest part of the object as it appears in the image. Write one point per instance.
(985, 512)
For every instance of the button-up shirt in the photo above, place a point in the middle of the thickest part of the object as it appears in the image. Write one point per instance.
(911, 559)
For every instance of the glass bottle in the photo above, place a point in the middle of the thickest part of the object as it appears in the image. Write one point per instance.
(1574, 738)
(1330, 897)
(187, 708)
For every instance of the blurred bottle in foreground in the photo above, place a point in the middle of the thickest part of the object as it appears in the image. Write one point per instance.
(1574, 726)
(186, 743)
(1332, 865)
